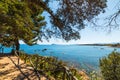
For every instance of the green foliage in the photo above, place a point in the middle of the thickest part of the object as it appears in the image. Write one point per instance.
(49, 66)
(70, 16)
(22, 20)
(110, 66)
(19, 22)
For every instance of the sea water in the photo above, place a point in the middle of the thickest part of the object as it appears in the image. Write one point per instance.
(79, 56)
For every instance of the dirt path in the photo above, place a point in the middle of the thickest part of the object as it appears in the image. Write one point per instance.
(9, 71)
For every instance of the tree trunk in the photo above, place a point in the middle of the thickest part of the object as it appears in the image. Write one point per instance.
(17, 45)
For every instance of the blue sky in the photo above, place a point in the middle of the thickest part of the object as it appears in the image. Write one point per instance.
(90, 34)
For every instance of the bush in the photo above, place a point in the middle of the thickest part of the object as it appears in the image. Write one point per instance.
(110, 66)
(50, 66)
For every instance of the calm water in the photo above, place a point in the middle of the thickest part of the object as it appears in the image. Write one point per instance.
(78, 56)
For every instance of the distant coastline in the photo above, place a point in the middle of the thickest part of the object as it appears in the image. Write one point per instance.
(117, 45)
(110, 45)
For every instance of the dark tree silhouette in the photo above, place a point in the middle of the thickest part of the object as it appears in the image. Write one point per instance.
(69, 18)
(22, 20)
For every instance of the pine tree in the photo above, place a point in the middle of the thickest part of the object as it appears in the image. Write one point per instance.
(19, 22)
(70, 17)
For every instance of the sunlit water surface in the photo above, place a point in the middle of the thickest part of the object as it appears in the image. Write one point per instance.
(86, 57)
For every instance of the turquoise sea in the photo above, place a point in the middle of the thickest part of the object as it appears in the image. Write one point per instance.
(79, 56)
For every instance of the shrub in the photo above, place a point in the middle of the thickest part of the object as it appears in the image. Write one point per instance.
(110, 66)
(50, 66)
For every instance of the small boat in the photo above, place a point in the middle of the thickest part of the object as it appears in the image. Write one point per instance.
(44, 50)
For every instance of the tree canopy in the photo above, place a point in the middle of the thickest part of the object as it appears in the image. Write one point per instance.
(22, 20)
(71, 15)
(19, 22)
